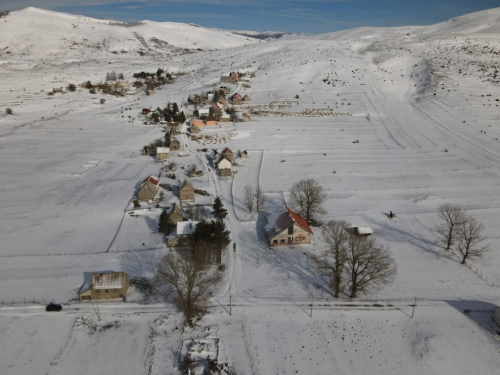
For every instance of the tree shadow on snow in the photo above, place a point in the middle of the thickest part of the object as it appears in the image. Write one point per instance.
(291, 262)
(413, 238)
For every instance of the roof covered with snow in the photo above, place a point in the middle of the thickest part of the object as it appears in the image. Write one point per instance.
(111, 280)
(364, 230)
(186, 227)
(162, 150)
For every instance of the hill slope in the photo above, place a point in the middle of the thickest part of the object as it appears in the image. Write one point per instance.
(40, 33)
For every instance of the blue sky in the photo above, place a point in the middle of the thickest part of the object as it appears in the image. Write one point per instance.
(307, 16)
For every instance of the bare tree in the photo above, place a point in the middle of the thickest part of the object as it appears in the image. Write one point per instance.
(195, 213)
(190, 281)
(248, 198)
(469, 235)
(369, 265)
(453, 216)
(331, 263)
(308, 196)
(259, 198)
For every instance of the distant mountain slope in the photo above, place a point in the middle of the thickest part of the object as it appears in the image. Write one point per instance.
(41, 33)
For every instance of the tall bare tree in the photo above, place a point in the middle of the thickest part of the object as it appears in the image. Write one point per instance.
(369, 265)
(469, 235)
(308, 196)
(453, 216)
(248, 197)
(189, 280)
(331, 263)
(259, 198)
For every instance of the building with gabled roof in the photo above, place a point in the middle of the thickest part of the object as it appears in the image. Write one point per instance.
(228, 154)
(176, 214)
(182, 234)
(175, 144)
(162, 153)
(186, 191)
(148, 188)
(105, 285)
(287, 228)
(224, 167)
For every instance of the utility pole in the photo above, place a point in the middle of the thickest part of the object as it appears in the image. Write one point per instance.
(312, 297)
(414, 304)
(230, 306)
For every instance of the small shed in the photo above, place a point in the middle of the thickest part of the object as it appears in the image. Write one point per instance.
(175, 144)
(162, 153)
(186, 191)
(363, 231)
(244, 154)
(247, 98)
(225, 118)
(105, 286)
(146, 111)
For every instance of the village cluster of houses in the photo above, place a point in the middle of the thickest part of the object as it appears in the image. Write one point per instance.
(223, 161)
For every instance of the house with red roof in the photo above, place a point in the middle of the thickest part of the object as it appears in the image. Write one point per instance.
(148, 189)
(287, 228)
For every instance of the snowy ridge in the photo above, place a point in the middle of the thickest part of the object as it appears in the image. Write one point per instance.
(40, 33)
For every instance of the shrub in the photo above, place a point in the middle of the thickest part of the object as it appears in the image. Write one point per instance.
(8, 111)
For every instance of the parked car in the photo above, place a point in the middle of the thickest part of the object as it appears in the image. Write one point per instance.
(53, 307)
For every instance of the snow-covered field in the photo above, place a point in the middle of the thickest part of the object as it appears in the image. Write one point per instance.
(399, 119)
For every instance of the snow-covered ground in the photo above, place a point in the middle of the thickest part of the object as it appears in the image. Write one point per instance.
(401, 119)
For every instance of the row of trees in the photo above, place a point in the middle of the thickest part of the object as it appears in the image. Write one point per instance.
(460, 233)
(360, 264)
(113, 76)
(253, 198)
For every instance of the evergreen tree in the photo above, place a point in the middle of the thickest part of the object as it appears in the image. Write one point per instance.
(163, 225)
(219, 211)
(167, 139)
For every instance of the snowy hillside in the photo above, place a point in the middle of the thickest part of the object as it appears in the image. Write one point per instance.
(40, 33)
(385, 119)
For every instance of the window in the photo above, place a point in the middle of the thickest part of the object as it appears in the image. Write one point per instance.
(290, 230)
(290, 239)
(275, 241)
(282, 240)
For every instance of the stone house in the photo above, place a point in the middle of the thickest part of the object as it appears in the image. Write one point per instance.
(225, 118)
(287, 228)
(176, 214)
(162, 153)
(222, 101)
(247, 98)
(224, 167)
(105, 286)
(148, 189)
(186, 191)
(175, 144)
(228, 154)
(195, 129)
(230, 78)
(181, 236)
